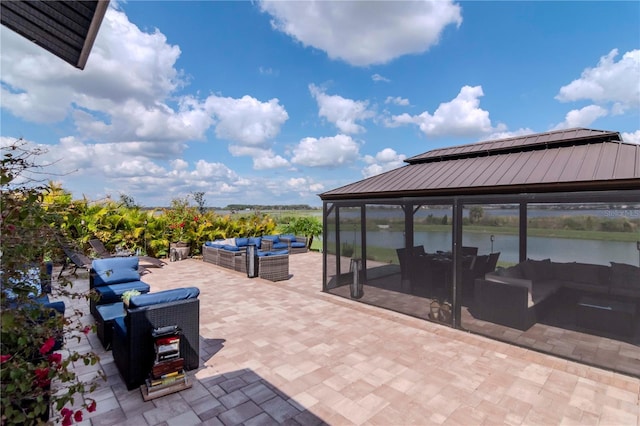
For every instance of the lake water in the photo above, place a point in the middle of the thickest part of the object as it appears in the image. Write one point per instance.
(557, 249)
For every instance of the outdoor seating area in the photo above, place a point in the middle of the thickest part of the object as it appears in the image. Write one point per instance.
(265, 357)
(126, 325)
(273, 262)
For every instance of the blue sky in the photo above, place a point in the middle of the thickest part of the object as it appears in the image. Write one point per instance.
(275, 102)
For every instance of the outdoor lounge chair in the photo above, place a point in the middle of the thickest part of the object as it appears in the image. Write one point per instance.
(102, 252)
(79, 260)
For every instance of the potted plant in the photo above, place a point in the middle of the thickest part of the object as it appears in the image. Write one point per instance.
(127, 295)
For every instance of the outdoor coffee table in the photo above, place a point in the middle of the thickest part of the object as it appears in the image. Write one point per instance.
(602, 314)
(104, 321)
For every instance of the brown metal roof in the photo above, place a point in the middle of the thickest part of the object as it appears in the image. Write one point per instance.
(567, 160)
(65, 28)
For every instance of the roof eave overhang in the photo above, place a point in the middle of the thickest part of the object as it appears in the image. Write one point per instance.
(98, 16)
(608, 185)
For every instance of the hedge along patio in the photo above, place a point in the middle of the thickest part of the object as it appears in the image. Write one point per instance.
(424, 208)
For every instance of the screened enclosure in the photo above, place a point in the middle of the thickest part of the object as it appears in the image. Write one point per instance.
(541, 256)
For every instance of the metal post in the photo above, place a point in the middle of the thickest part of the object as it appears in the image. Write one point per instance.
(492, 238)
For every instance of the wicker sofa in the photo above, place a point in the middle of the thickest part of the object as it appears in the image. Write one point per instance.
(294, 244)
(273, 265)
(133, 351)
(517, 296)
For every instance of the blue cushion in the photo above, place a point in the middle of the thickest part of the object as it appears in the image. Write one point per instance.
(115, 270)
(111, 311)
(120, 328)
(213, 244)
(113, 293)
(230, 247)
(241, 242)
(272, 253)
(163, 297)
(298, 245)
(274, 238)
(57, 306)
(291, 238)
(280, 246)
(255, 240)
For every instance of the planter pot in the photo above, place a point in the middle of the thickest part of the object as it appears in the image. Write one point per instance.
(178, 251)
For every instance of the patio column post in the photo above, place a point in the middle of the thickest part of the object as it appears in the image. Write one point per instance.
(457, 261)
(523, 231)
(408, 224)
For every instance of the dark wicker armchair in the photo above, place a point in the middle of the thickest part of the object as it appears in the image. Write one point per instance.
(133, 350)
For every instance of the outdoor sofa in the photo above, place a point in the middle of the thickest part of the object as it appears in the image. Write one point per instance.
(133, 349)
(294, 244)
(517, 296)
(273, 264)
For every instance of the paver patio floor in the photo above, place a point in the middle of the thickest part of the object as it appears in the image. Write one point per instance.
(286, 353)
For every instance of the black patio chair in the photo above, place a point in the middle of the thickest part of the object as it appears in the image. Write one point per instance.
(102, 252)
(77, 258)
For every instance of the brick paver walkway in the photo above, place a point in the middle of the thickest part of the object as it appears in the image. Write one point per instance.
(286, 353)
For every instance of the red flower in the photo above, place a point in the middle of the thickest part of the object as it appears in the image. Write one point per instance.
(4, 358)
(11, 228)
(47, 346)
(66, 416)
(42, 377)
(87, 329)
(181, 225)
(92, 407)
(78, 416)
(195, 218)
(55, 358)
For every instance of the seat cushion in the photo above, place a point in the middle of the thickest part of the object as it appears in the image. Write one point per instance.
(298, 245)
(115, 270)
(280, 246)
(163, 297)
(113, 293)
(120, 328)
(272, 253)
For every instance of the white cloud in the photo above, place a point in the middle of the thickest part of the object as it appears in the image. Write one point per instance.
(364, 33)
(378, 77)
(609, 82)
(246, 120)
(385, 160)
(325, 152)
(341, 111)
(631, 137)
(304, 186)
(460, 117)
(125, 65)
(581, 117)
(263, 159)
(396, 100)
(508, 134)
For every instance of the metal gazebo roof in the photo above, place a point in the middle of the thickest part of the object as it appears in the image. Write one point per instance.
(566, 160)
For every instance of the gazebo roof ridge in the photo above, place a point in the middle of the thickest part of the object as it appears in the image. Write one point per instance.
(529, 142)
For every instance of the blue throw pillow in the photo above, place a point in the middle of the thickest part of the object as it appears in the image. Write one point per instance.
(291, 238)
(241, 242)
(163, 297)
(255, 240)
(273, 238)
(115, 270)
